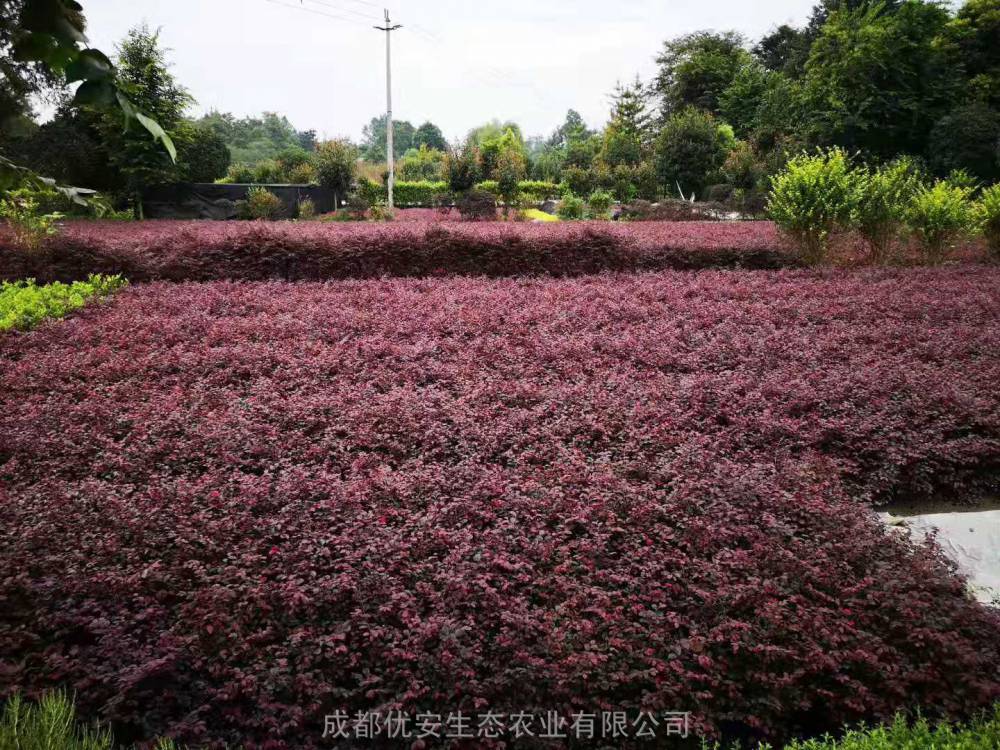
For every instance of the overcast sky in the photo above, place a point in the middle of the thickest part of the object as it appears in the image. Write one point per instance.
(458, 63)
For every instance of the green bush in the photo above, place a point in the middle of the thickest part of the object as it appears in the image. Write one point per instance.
(306, 209)
(29, 225)
(939, 216)
(599, 204)
(987, 218)
(813, 196)
(262, 204)
(381, 212)
(23, 304)
(882, 200)
(982, 734)
(570, 208)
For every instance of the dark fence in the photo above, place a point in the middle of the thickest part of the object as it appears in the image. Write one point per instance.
(207, 200)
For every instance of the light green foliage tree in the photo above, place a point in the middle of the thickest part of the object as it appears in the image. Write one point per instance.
(939, 216)
(883, 197)
(878, 79)
(510, 169)
(422, 163)
(255, 139)
(336, 165)
(814, 195)
(987, 218)
(599, 204)
(691, 147)
(696, 68)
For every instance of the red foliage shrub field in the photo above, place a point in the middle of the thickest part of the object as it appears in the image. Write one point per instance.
(228, 509)
(256, 251)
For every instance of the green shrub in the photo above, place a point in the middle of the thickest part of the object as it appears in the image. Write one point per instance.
(570, 208)
(962, 179)
(599, 204)
(302, 174)
(477, 205)
(262, 204)
(381, 212)
(812, 197)
(882, 199)
(23, 304)
(306, 209)
(986, 213)
(939, 216)
(29, 225)
(982, 734)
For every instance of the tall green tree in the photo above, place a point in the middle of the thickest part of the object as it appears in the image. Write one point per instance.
(429, 135)
(878, 80)
(976, 32)
(145, 76)
(690, 149)
(373, 139)
(696, 68)
(629, 131)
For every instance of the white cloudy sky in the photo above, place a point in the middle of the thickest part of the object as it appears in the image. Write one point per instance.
(456, 62)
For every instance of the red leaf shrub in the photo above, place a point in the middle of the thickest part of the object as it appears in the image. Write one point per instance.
(228, 509)
(256, 251)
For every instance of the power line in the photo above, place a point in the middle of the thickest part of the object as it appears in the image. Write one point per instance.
(359, 14)
(316, 12)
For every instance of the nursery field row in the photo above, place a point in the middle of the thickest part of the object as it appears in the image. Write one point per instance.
(229, 509)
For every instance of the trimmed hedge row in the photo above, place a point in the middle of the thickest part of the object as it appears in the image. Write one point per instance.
(179, 250)
(429, 193)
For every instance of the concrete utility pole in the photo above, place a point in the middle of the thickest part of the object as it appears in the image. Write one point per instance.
(388, 29)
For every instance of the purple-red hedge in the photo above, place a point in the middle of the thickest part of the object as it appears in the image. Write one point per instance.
(313, 251)
(229, 509)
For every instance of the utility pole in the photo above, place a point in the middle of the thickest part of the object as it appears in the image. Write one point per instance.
(388, 29)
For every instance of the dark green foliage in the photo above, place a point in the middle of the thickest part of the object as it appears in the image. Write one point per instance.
(336, 163)
(429, 135)
(976, 32)
(202, 154)
(255, 139)
(373, 139)
(690, 148)
(878, 81)
(967, 138)
(461, 167)
(696, 68)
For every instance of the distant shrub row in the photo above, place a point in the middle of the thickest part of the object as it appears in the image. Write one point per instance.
(428, 193)
(817, 195)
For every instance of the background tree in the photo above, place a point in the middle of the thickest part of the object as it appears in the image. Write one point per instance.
(690, 149)
(461, 167)
(421, 164)
(202, 154)
(336, 164)
(144, 75)
(429, 135)
(976, 32)
(373, 138)
(696, 68)
(878, 80)
(967, 138)
(629, 130)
